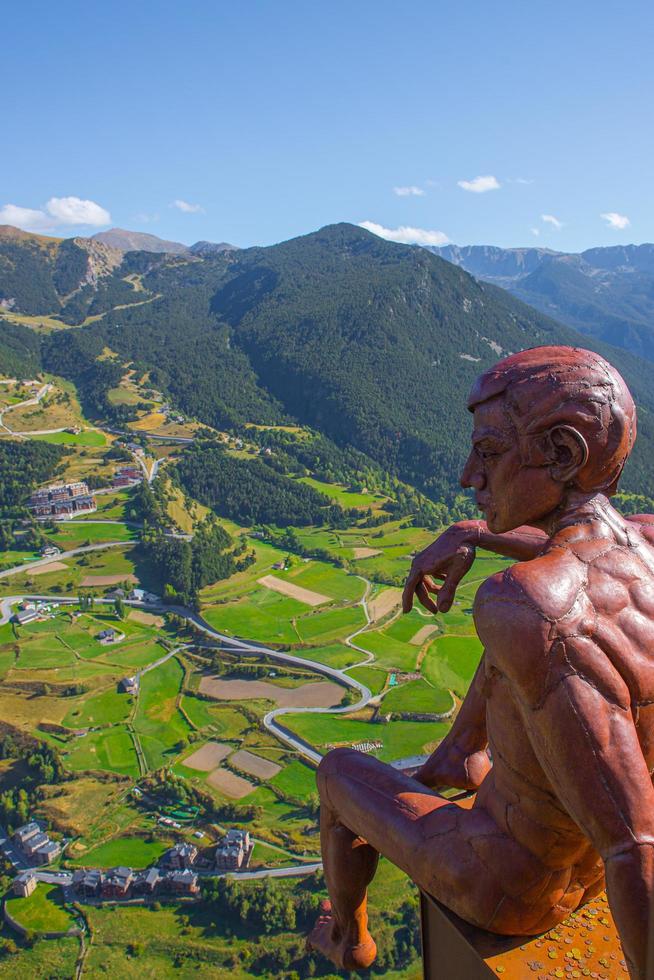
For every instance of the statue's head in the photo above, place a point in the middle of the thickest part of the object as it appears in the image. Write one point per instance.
(548, 421)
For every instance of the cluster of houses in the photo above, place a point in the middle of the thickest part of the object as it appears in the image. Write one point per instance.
(127, 476)
(177, 873)
(29, 611)
(134, 595)
(62, 501)
(35, 845)
(124, 882)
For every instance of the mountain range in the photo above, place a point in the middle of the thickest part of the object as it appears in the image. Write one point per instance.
(372, 343)
(606, 293)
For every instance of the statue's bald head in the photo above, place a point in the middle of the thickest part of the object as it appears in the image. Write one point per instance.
(546, 387)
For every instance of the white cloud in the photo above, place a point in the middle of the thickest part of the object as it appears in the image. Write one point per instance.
(187, 208)
(479, 185)
(57, 212)
(519, 180)
(549, 219)
(535, 231)
(411, 191)
(406, 235)
(75, 211)
(26, 218)
(615, 220)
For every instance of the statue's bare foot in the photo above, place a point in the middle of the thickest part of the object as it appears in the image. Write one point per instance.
(348, 956)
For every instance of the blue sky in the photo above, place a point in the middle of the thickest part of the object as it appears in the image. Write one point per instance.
(265, 120)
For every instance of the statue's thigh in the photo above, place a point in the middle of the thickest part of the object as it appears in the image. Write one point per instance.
(460, 856)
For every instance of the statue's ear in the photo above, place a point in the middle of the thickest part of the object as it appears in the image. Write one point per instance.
(569, 452)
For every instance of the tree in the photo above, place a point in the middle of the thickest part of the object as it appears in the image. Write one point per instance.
(119, 607)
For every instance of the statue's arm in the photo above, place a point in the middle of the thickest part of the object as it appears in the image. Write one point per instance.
(461, 760)
(451, 555)
(578, 717)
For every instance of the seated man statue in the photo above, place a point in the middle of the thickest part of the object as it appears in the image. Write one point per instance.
(556, 733)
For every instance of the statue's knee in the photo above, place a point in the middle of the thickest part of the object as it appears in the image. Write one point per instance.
(332, 766)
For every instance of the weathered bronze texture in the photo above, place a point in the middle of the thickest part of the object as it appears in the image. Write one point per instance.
(562, 701)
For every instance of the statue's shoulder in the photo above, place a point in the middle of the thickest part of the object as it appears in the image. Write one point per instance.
(541, 590)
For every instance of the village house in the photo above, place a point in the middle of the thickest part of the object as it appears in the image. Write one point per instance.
(182, 882)
(35, 844)
(233, 851)
(26, 616)
(109, 635)
(117, 882)
(147, 881)
(181, 855)
(129, 685)
(25, 884)
(87, 882)
(48, 852)
(25, 833)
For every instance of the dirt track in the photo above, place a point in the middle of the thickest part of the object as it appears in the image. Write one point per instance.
(208, 757)
(254, 764)
(383, 603)
(230, 784)
(423, 634)
(322, 694)
(294, 591)
(108, 579)
(54, 566)
(366, 552)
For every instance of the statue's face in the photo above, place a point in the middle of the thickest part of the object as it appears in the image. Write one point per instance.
(509, 492)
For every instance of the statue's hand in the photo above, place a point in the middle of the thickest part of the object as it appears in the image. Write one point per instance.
(451, 766)
(448, 558)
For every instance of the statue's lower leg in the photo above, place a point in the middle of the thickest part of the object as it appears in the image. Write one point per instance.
(341, 933)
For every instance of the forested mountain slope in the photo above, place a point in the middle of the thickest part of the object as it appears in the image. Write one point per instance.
(372, 343)
(607, 293)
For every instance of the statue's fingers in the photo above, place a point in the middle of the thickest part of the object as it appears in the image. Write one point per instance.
(425, 599)
(447, 592)
(413, 580)
(429, 583)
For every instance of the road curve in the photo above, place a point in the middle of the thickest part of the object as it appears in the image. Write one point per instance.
(40, 562)
(196, 620)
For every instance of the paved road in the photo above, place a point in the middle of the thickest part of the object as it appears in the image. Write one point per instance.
(234, 643)
(333, 673)
(28, 401)
(28, 566)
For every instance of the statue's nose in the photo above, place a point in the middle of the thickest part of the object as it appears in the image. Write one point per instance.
(473, 474)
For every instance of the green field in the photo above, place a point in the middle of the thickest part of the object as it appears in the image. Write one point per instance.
(263, 615)
(42, 911)
(344, 497)
(45, 959)
(104, 708)
(158, 722)
(75, 534)
(388, 651)
(399, 738)
(88, 438)
(296, 779)
(419, 697)
(331, 624)
(373, 677)
(112, 750)
(451, 662)
(133, 852)
(333, 655)
(325, 579)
